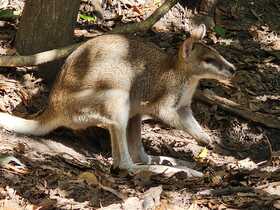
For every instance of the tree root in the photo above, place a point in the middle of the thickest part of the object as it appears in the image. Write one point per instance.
(228, 105)
(37, 59)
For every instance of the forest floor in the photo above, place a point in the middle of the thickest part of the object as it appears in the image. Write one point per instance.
(70, 170)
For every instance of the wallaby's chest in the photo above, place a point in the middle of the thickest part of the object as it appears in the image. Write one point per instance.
(185, 93)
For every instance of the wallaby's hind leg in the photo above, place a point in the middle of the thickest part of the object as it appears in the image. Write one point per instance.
(121, 156)
(119, 112)
(111, 112)
(135, 146)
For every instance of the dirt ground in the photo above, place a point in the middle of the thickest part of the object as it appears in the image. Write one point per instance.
(72, 170)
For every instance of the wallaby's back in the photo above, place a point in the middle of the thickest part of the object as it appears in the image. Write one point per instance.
(111, 62)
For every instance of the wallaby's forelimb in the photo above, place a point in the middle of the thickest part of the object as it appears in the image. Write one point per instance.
(184, 120)
(192, 126)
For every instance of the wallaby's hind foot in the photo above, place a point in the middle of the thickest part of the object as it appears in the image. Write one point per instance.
(168, 161)
(164, 170)
(118, 112)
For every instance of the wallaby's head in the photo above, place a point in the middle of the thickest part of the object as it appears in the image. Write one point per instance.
(201, 60)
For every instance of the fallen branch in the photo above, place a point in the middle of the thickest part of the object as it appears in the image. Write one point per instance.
(56, 54)
(225, 191)
(235, 108)
(39, 58)
(149, 22)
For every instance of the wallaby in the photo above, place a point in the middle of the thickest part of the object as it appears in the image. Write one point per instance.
(112, 80)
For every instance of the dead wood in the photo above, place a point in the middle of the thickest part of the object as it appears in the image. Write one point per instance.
(56, 54)
(237, 109)
(225, 191)
(149, 22)
(37, 59)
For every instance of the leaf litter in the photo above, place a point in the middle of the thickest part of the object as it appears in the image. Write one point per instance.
(65, 171)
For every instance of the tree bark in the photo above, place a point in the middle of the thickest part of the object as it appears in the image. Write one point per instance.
(38, 58)
(207, 7)
(45, 25)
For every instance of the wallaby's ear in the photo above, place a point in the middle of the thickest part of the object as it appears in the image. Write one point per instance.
(186, 49)
(199, 32)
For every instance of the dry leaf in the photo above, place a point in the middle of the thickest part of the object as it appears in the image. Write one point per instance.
(203, 154)
(9, 205)
(89, 177)
(44, 205)
(157, 2)
(194, 206)
(152, 198)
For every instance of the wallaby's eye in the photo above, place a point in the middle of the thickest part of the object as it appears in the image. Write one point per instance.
(209, 60)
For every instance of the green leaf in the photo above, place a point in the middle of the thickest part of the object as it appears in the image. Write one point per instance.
(8, 14)
(88, 18)
(220, 31)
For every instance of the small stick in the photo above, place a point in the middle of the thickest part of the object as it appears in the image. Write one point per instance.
(236, 108)
(39, 58)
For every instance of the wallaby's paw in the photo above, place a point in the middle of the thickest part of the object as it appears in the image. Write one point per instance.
(162, 160)
(205, 140)
(167, 171)
(169, 161)
(124, 165)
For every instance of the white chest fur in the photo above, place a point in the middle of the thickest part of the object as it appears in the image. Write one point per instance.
(188, 91)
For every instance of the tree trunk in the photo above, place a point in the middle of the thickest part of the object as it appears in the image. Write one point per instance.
(45, 25)
(207, 7)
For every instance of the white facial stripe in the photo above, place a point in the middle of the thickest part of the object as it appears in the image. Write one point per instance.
(211, 66)
(227, 63)
(215, 71)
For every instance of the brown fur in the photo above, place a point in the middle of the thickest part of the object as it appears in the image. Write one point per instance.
(111, 80)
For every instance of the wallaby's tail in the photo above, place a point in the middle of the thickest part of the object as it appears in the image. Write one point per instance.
(39, 125)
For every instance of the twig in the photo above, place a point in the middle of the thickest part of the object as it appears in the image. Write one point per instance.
(149, 22)
(225, 191)
(235, 108)
(256, 15)
(37, 59)
(269, 149)
(111, 190)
